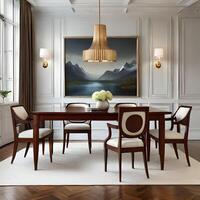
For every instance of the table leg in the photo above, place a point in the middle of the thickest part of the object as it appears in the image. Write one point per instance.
(162, 140)
(36, 124)
(148, 143)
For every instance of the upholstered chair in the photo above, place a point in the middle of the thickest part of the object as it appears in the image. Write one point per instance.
(77, 127)
(180, 119)
(132, 130)
(21, 118)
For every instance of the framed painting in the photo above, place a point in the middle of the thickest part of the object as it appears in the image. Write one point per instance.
(120, 77)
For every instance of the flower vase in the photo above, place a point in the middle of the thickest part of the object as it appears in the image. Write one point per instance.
(102, 105)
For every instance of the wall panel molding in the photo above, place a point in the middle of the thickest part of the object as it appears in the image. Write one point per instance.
(189, 70)
(194, 121)
(44, 85)
(161, 35)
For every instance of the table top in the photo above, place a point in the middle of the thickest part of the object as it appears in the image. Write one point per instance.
(62, 110)
(90, 114)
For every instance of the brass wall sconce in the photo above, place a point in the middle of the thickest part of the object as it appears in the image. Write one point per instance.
(158, 54)
(44, 54)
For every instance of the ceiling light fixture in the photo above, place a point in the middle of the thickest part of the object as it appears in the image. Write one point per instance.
(99, 50)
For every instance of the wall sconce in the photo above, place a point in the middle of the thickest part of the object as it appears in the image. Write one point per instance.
(158, 54)
(44, 54)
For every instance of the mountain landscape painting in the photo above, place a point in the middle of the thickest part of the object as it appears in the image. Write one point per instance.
(120, 77)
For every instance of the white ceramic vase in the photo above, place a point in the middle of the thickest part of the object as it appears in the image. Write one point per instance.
(102, 105)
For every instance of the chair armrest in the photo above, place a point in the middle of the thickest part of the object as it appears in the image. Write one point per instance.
(171, 118)
(110, 127)
(168, 119)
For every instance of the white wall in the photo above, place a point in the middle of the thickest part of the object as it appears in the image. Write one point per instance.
(177, 82)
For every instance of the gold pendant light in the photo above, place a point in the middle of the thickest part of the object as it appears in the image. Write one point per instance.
(99, 50)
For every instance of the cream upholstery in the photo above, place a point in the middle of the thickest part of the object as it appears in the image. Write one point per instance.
(168, 134)
(29, 133)
(77, 126)
(126, 142)
(20, 112)
(181, 113)
(126, 105)
(76, 121)
(78, 105)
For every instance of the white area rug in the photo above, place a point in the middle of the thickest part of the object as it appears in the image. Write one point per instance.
(78, 167)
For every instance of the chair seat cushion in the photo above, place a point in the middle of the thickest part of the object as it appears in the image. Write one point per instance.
(168, 134)
(76, 121)
(29, 133)
(126, 142)
(77, 126)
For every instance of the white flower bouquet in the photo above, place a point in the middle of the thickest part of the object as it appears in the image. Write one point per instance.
(102, 95)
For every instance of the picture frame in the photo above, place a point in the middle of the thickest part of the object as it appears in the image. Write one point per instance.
(120, 77)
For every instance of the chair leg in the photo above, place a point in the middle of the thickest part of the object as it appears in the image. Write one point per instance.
(51, 146)
(27, 148)
(187, 153)
(14, 151)
(64, 139)
(105, 158)
(145, 163)
(175, 150)
(43, 146)
(156, 144)
(155, 124)
(133, 158)
(120, 166)
(148, 147)
(67, 140)
(52, 141)
(89, 141)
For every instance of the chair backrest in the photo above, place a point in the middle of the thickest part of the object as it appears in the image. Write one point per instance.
(133, 121)
(19, 113)
(19, 117)
(182, 117)
(74, 106)
(119, 105)
(77, 105)
(183, 112)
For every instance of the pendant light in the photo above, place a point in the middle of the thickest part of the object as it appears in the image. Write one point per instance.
(99, 50)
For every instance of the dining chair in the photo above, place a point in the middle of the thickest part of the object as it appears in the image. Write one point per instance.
(22, 119)
(77, 126)
(132, 132)
(180, 119)
(118, 105)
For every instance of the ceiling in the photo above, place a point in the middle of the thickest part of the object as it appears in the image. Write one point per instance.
(110, 6)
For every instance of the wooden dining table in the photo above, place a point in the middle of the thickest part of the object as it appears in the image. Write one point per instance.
(92, 114)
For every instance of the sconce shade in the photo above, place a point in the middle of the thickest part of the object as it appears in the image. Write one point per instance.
(99, 50)
(158, 53)
(44, 53)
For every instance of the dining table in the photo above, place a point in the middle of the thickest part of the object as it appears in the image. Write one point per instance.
(93, 114)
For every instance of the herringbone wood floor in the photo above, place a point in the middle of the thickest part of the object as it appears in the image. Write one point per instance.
(100, 192)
